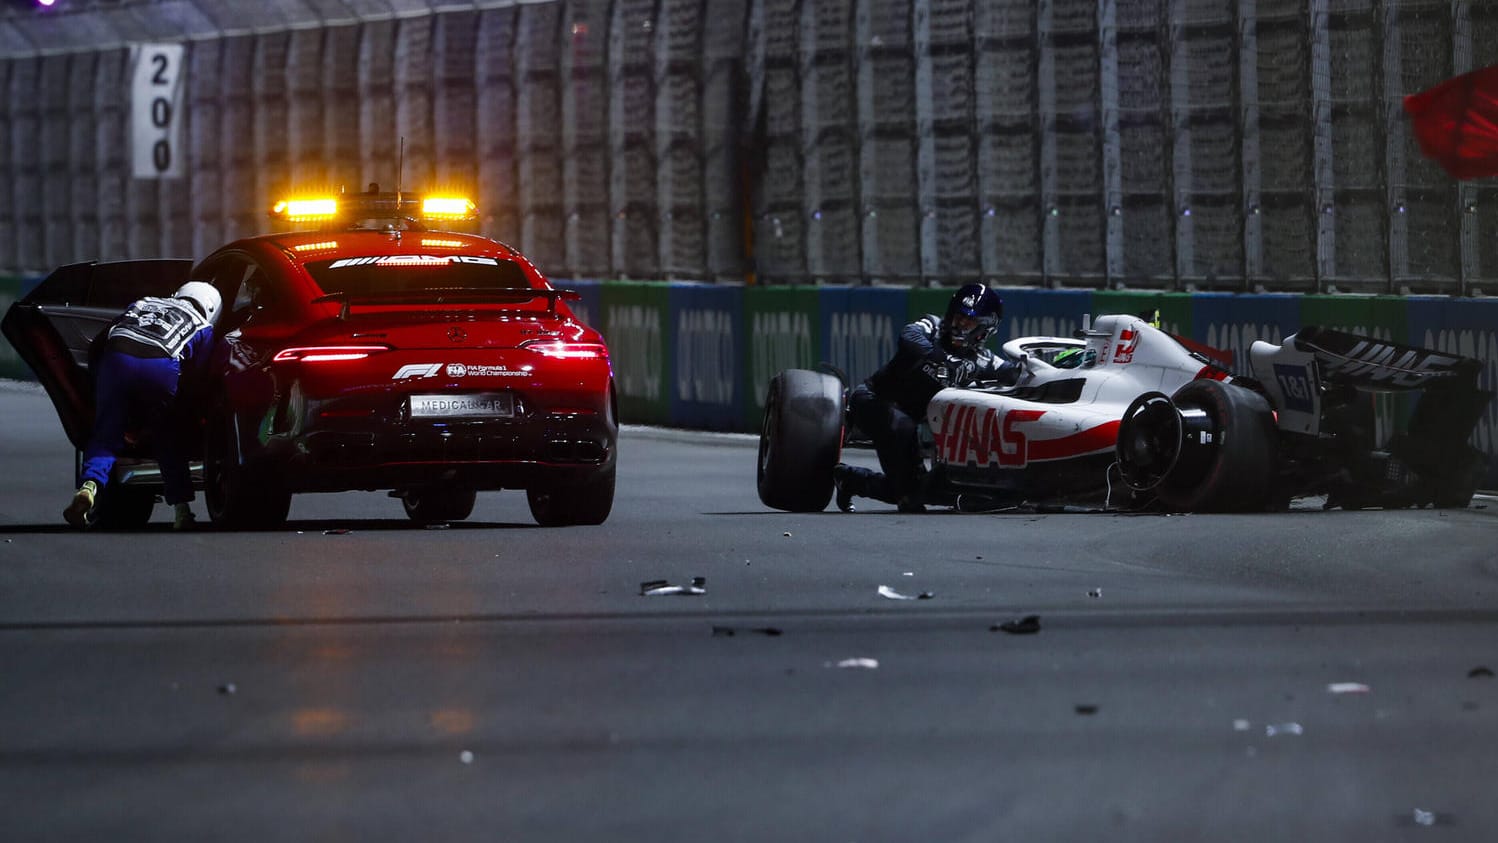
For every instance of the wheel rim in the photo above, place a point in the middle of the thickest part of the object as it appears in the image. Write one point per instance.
(1149, 441)
(765, 427)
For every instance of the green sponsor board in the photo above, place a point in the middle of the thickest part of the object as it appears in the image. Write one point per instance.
(635, 319)
(1174, 308)
(927, 300)
(11, 365)
(1376, 316)
(783, 333)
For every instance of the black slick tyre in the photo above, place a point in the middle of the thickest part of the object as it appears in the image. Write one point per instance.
(1229, 458)
(438, 506)
(123, 508)
(238, 496)
(583, 503)
(800, 440)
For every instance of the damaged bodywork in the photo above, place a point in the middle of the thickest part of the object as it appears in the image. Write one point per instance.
(1134, 415)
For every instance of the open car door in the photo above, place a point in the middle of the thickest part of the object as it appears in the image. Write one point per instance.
(53, 326)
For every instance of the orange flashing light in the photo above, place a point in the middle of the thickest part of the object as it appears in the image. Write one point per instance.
(448, 208)
(305, 210)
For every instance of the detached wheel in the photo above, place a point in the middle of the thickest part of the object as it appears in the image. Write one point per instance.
(573, 504)
(123, 508)
(800, 440)
(438, 506)
(239, 497)
(1228, 455)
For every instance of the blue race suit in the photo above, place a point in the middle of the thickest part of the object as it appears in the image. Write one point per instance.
(889, 405)
(144, 357)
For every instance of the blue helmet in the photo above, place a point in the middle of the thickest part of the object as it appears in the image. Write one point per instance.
(973, 315)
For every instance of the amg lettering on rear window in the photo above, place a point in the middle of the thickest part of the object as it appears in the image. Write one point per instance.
(412, 260)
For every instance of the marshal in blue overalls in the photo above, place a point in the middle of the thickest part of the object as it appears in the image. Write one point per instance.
(147, 353)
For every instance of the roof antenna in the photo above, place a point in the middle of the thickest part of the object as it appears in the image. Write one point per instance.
(400, 160)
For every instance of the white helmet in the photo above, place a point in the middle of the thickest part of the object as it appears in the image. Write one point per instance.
(204, 295)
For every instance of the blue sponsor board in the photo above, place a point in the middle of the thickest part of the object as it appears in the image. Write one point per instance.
(706, 350)
(861, 327)
(1043, 313)
(590, 309)
(1424, 318)
(1230, 322)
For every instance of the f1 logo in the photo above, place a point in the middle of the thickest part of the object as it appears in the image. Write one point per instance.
(416, 370)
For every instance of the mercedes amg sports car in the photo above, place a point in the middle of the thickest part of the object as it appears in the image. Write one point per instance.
(1130, 414)
(371, 351)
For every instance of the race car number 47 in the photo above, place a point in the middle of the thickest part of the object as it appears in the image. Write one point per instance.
(481, 405)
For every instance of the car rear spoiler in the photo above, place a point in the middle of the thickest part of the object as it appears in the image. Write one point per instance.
(1376, 364)
(455, 295)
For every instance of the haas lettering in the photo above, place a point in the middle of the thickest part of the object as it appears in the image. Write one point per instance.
(968, 438)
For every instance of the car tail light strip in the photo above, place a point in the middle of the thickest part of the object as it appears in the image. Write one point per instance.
(327, 353)
(568, 350)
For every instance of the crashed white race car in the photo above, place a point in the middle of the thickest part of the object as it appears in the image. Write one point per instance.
(1136, 417)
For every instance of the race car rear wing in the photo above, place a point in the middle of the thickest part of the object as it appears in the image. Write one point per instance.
(1370, 363)
(1297, 376)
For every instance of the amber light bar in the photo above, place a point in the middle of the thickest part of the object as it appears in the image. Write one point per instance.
(448, 208)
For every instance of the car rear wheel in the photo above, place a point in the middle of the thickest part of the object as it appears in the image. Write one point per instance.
(438, 506)
(588, 502)
(239, 497)
(800, 440)
(123, 508)
(1228, 454)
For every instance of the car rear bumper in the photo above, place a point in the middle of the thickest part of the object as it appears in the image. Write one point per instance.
(481, 455)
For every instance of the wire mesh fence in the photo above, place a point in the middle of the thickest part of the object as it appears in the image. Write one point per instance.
(1149, 144)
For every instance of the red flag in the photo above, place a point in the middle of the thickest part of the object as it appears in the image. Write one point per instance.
(1456, 123)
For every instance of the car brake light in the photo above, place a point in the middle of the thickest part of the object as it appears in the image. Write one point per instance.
(327, 353)
(568, 350)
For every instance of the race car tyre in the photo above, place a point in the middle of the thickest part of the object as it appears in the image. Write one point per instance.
(1455, 490)
(239, 497)
(800, 440)
(123, 508)
(438, 506)
(1228, 455)
(584, 503)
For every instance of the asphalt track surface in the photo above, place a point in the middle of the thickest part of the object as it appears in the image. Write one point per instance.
(1313, 675)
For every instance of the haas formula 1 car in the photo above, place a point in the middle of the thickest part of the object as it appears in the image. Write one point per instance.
(1132, 412)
